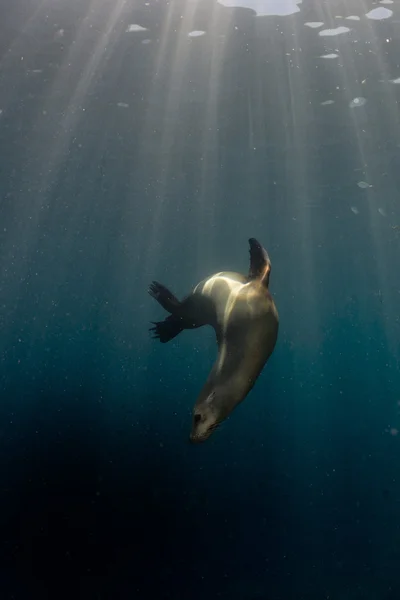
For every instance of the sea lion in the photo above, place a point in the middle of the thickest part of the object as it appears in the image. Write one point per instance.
(245, 319)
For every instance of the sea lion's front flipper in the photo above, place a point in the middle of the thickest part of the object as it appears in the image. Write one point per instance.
(168, 329)
(164, 297)
(192, 312)
(260, 265)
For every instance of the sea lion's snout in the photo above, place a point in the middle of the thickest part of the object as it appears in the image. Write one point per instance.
(197, 439)
(202, 427)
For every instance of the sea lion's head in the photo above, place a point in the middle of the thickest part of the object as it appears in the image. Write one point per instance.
(206, 418)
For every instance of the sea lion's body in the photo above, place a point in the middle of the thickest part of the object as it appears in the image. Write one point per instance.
(242, 312)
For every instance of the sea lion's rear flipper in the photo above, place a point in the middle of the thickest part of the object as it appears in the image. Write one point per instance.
(260, 265)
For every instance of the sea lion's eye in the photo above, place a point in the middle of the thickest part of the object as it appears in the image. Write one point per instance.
(197, 418)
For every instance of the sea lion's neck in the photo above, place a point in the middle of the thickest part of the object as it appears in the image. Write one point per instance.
(231, 378)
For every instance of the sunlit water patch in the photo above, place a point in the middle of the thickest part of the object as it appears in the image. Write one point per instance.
(335, 31)
(358, 102)
(135, 28)
(313, 24)
(379, 13)
(265, 8)
(330, 56)
(364, 185)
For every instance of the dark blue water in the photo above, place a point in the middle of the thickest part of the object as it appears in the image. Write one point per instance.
(128, 156)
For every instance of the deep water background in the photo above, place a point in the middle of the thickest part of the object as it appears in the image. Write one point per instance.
(218, 139)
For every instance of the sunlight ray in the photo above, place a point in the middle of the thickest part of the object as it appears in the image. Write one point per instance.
(353, 88)
(172, 145)
(46, 155)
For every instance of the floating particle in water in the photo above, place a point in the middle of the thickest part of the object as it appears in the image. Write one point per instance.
(382, 212)
(353, 18)
(327, 102)
(123, 105)
(363, 185)
(393, 431)
(330, 56)
(313, 24)
(395, 81)
(357, 102)
(135, 27)
(146, 41)
(196, 33)
(386, 2)
(335, 31)
(379, 13)
(354, 209)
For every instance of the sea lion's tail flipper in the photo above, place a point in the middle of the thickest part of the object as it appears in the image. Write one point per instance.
(164, 297)
(260, 264)
(166, 330)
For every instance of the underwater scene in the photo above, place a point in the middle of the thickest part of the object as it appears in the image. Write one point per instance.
(200, 299)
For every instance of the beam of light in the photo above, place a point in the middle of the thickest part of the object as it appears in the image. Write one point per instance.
(300, 172)
(18, 45)
(354, 89)
(73, 104)
(44, 157)
(172, 55)
(169, 94)
(210, 143)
